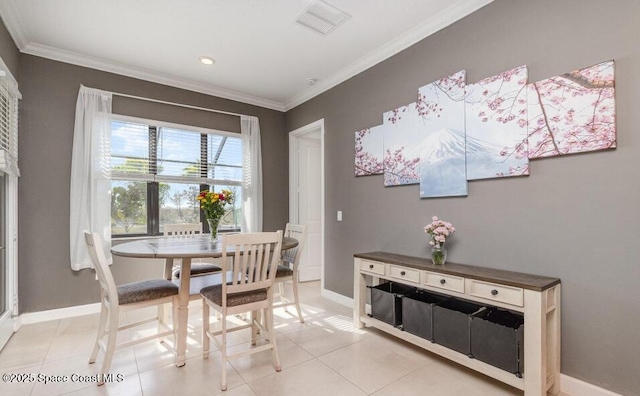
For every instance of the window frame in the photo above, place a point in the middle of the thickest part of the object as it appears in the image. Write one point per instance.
(153, 204)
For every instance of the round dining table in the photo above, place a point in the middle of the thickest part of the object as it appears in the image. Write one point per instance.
(184, 248)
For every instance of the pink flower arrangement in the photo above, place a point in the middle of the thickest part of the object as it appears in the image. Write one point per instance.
(439, 231)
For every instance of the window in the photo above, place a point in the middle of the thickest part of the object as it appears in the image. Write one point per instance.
(158, 170)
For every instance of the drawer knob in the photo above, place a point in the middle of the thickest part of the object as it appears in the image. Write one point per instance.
(443, 281)
(371, 266)
(494, 292)
(403, 273)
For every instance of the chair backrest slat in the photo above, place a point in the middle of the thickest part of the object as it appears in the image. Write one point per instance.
(298, 232)
(105, 277)
(255, 260)
(184, 229)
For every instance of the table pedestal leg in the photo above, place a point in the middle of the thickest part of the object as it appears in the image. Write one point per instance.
(168, 268)
(183, 312)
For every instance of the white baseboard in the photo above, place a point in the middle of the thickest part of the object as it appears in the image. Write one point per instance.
(575, 387)
(336, 297)
(60, 313)
(308, 274)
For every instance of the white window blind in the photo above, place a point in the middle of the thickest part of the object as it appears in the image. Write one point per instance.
(162, 154)
(9, 96)
(130, 151)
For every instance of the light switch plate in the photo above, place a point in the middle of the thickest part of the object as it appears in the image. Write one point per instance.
(339, 217)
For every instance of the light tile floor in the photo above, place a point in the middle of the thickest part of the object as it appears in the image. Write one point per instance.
(324, 356)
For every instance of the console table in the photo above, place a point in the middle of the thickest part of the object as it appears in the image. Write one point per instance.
(536, 297)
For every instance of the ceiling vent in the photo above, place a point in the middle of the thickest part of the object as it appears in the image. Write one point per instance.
(322, 18)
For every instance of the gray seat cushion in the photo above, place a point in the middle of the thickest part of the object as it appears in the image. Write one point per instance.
(145, 290)
(201, 269)
(214, 294)
(283, 271)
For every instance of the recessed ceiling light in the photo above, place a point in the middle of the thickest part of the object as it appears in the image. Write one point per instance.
(207, 60)
(312, 81)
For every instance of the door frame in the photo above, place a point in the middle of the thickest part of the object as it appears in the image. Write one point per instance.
(294, 144)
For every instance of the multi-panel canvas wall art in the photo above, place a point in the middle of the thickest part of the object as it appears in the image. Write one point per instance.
(490, 129)
(442, 149)
(573, 113)
(369, 151)
(402, 135)
(496, 126)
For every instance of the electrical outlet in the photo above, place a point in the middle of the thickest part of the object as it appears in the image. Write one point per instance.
(339, 217)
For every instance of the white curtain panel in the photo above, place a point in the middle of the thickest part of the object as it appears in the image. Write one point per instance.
(252, 175)
(90, 203)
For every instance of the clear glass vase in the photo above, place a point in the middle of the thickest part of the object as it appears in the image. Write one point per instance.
(438, 254)
(213, 228)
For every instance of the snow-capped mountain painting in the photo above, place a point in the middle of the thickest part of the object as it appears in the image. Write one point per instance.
(442, 165)
(455, 132)
(496, 122)
(442, 149)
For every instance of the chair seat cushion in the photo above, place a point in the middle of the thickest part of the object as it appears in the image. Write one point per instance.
(214, 294)
(201, 269)
(145, 290)
(283, 271)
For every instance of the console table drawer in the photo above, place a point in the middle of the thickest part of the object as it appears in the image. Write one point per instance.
(442, 281)
(372, 266)
(491, 291)
(407, 274)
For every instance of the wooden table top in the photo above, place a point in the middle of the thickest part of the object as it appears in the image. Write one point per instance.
(196, 246)
(510, 278)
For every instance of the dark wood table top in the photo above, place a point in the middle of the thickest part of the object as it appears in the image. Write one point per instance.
(196, 246)
(510, 278)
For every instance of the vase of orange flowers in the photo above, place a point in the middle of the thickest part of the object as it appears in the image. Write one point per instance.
(214, 204)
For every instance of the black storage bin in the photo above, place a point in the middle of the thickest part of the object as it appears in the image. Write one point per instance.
(497, 338)
(386, 301)
(452, 324)
(417, 312)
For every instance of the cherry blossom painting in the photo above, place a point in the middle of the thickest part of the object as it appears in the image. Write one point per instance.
(442, 147)
(490, 129)
(402, 135)
(369, 151)
(496, 126)
(573, 112)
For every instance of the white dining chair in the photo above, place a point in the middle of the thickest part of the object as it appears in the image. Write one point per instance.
(288, 270)
(188, 230)
(126, 297)
(249, 288)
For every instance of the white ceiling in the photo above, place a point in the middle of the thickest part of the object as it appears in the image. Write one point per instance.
(262, 56)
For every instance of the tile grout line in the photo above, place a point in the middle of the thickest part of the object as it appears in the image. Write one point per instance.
(46, 354)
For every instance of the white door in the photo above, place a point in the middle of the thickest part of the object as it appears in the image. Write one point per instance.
(309, 204)
(306, 195)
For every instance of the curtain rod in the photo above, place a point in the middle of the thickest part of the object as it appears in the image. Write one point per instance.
(179, 104)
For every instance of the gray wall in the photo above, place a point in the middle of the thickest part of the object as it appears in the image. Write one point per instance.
(575, 217)
(49, 91)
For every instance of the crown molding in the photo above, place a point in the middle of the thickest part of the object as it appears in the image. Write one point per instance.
(13, 23)
(446, 17)
(147, 75)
